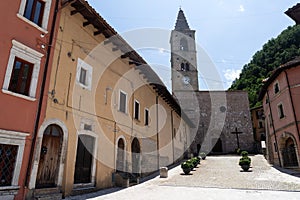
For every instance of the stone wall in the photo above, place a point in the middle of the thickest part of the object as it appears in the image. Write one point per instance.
(218, 114)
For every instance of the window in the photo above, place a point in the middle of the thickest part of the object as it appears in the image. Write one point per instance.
(136, 110)
(34, 11)
(84, 74)
(21, 77)
(276, 88)
(146, 117)
(122, 102)
(183, 44)
(280, 111)
(82, 78)
(11, 155)
(185, 67)
(260, 124)
(8, 155)
(22, 71)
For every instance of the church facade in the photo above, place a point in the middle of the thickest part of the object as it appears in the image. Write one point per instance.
(222, 118)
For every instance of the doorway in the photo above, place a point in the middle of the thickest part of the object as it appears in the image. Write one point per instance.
(135, 156)
(84, 159)
(49, 157)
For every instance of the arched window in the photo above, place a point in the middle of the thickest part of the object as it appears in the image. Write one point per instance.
(187, 67)
(183, 44)
(182, 67)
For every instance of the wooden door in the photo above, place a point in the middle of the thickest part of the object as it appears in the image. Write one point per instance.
(49, 157)
(84, 159)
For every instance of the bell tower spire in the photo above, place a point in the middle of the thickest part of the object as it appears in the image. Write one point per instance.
(183, 56)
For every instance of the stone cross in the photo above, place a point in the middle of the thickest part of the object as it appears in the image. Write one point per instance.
(236, 132)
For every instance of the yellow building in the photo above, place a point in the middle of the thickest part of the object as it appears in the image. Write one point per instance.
(107, 111)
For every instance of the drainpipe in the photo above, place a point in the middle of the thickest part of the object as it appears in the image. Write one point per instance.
(274, 132)
(42, 90)
(157, 134)
(293, 107)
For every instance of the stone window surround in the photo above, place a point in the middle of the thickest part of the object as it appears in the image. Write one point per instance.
(89, 74)
(14, 138)
(45, 16)
(30, 55)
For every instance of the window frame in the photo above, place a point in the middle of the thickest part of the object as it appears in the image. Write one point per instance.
(136, 114)
(25, 53)
(33, 10)
(88, 76)
(125, 102)
(45, 17)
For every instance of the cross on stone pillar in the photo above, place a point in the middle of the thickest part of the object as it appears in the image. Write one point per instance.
(236, 132)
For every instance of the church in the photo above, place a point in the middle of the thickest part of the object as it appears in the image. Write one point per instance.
(222, 118)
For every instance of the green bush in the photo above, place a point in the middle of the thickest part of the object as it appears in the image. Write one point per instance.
(244, 153)
(187, 165)
(245, 161)
(202, 155)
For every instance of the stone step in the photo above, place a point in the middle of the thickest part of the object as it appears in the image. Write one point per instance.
(47, 194)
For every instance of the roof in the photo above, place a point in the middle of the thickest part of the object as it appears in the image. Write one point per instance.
(93, 18)
(294, 13)
(181, 22)
(275, 74)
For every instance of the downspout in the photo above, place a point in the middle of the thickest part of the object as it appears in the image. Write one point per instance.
(293, 107)
(172, 132)
(157, 134)
(274, 132)
(42, 90)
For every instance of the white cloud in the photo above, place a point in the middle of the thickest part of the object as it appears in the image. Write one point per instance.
(231, 74)
(241, 8)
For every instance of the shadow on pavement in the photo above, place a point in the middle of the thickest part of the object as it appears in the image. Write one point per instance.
(288, 171)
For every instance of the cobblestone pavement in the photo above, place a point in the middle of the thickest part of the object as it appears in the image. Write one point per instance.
(217, 177)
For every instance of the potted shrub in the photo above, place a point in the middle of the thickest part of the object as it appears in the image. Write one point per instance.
(245, 163)
(186, 167)
(244, 153)
(202, 155)
(194, 161)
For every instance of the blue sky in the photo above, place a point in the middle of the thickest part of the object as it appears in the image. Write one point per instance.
(229, 31)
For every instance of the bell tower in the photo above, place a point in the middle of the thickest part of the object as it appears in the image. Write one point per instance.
(183, 56)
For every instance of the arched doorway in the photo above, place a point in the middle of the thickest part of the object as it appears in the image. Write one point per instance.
(49, 157)
(289, 154)
(135, 156)
(120, 155)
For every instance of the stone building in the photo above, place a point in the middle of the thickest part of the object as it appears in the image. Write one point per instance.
(108, 116)
(259, 131)
(280, 99)
(223, 117)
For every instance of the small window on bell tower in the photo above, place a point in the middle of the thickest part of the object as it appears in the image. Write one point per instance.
(183, 44)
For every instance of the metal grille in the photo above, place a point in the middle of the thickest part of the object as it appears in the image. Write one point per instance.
(8, 155)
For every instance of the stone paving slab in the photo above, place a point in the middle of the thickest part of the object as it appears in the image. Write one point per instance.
(224, 172)
(218, 177)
